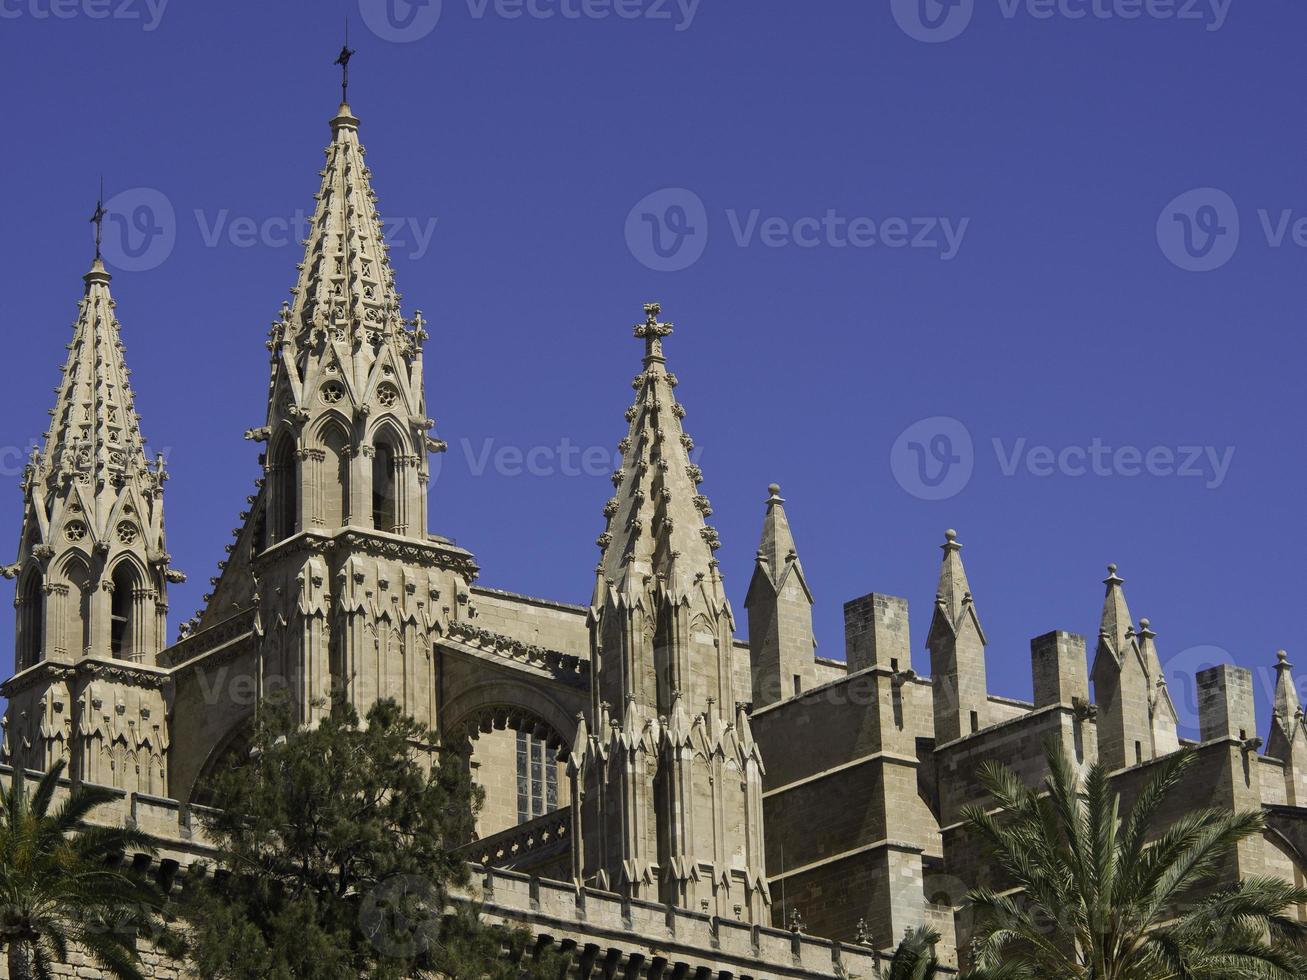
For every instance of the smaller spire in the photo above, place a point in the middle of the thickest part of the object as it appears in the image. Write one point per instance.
(653, 332)
(1115, 627)
(777, 547)
(1287, 704)
(954, 592)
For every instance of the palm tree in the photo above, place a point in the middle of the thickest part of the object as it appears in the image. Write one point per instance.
(61, 884)
(1104, 896)
(914, 959)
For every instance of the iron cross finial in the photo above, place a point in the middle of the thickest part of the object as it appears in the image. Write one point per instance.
(346, 52)
(652, 331)
(97, 219)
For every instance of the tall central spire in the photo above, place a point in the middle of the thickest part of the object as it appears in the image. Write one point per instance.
(347, 424)
(346, 286)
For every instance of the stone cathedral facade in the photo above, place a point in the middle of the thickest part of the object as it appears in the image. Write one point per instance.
(664, 797)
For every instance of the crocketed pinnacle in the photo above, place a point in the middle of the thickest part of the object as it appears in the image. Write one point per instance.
(95, 437)
(656, 519)
(346, 287)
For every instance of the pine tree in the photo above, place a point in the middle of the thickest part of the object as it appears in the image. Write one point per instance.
(339, 858)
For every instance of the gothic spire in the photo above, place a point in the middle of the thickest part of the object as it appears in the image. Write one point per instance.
(1116, 631)
(656, 519)
(1288, 708)
(95, 438)
(777, 554)
(953, 598)
(346, 287)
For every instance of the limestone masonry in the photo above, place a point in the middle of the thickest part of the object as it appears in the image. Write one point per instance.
(663, 800)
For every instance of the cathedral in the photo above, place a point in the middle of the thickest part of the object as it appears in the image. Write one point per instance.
(664, 798)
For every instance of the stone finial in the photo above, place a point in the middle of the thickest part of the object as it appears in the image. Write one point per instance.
(796, 921)
(652, 332)
(862, 934)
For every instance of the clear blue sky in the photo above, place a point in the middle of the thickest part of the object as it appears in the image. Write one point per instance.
(1063, 312)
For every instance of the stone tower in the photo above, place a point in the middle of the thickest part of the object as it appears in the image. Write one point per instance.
(1136, 718)
(93, 573)
(779, 604)
(350, 588)
(667, 778)
(957, 651)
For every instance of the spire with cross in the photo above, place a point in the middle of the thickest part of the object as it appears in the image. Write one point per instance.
(652, 332)
(346, 53)
(97, 219)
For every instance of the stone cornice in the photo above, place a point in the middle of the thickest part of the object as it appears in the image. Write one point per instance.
(564, 666)
(375, 544)
(205, 641)
(116, 671)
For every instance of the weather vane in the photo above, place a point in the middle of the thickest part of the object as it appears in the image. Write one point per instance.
(346, 52)
(97, 219)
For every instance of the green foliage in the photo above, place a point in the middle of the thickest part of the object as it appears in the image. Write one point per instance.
(338, 856)
(914, 959)
(62, 883)
(1106, 896)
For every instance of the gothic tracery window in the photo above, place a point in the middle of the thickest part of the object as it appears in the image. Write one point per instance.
(537, 778)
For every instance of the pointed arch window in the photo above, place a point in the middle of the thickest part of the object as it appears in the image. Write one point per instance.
(31, 620)
(333, 482)
(75, 613)
(284, 476)
(385, 486)
(126, 617)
